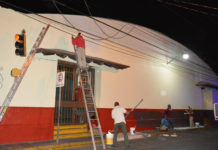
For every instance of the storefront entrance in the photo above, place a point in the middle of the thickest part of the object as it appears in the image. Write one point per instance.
(72, 105)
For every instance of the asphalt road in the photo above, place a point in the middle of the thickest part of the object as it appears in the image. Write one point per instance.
(205, 139)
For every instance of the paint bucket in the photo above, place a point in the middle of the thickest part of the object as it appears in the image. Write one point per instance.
(132, 130)
(109, 138)
(197, 125)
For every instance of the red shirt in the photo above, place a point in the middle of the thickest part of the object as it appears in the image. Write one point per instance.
(168, 112)
(79, 42)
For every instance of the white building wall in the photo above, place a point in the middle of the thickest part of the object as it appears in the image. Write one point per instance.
(157, 83)
(207, 94)
(149, 77)
(38, 86)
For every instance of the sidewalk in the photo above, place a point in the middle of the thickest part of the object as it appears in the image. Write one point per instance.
(151, 133)
(79, 143)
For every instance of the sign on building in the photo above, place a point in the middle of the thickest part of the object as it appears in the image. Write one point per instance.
(60, 79)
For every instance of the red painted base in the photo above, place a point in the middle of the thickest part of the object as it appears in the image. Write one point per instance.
(107, 122)
(22, 124)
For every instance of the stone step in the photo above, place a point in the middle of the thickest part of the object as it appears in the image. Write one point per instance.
(71, 131)
(79, 126)
(75, 135)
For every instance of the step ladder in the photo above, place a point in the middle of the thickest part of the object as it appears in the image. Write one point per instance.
(24, 68)
(91, 111)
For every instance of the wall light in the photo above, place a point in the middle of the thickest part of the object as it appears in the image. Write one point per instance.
(185, 56)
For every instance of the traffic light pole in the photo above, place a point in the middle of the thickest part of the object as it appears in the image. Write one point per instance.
(25, 66)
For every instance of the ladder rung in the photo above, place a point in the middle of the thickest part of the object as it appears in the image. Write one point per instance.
(96, 127)
(96, 136)
(88, 95)
(91, 111)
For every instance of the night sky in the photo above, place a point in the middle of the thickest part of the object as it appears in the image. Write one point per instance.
(194, 23)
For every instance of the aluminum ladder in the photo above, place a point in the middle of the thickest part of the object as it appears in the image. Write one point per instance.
(90, 106)
(24, 68)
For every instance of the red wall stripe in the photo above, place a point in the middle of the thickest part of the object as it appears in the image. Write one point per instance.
(107, 122)
(22, 124)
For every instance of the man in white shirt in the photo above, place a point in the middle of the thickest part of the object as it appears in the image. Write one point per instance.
(119, 122)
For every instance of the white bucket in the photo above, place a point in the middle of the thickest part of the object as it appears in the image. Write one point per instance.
(197, 125)
(132, 131)
(109, 138)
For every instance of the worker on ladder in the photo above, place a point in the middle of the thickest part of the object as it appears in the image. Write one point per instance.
(79, 47)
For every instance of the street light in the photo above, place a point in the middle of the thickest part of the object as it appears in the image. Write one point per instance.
(185, 56)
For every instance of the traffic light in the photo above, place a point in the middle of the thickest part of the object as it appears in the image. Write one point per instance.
(15, 72)
(20, 44)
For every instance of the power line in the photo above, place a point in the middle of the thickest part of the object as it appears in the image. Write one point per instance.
(62, 14)
(190, 9)
(199, 5)
(108, 36)
(95, 20)
(139, 56)
(116, 28)
(197, 26)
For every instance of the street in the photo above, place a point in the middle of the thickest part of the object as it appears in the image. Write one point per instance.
(205, 139)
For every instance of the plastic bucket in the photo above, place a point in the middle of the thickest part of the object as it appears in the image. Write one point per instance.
(197, 125)
(132, 131)
(109, 138)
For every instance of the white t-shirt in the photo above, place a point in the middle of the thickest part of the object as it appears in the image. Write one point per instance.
(118, 114)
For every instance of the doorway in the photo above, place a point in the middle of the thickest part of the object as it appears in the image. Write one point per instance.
(72, 105)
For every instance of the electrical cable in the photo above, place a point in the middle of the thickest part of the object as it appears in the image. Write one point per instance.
(95, 20)
(69, 33)
(198, 5)
(113, 36)
(63, 15)
(209, 75)
(202, 29)
(191, 9)
(117, 29)
(54, 21)
(108, 36)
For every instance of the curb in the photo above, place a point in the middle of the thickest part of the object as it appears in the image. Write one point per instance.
(60, 146)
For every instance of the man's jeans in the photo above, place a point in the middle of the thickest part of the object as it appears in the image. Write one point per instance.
(81, 58)
(117, 126)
